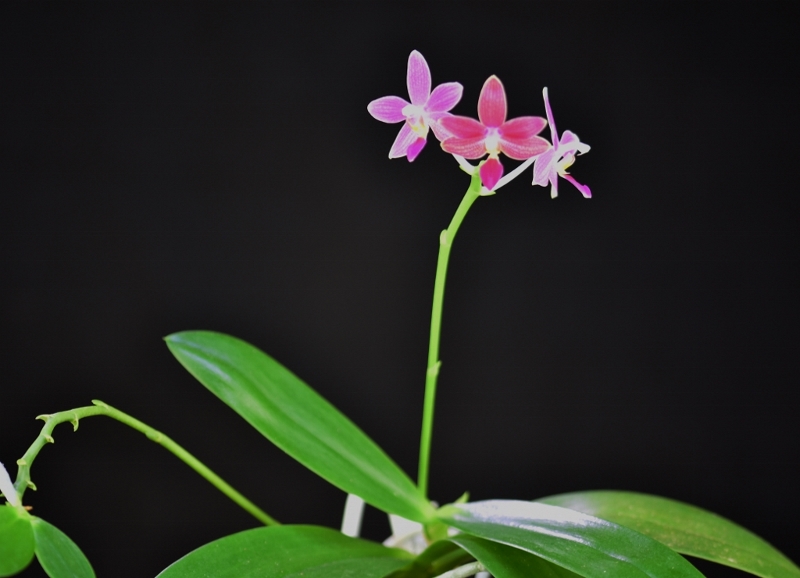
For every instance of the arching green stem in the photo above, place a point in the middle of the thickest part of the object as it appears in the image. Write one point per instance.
(99, 408)
(445, 244)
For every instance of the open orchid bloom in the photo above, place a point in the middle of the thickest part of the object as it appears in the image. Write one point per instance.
(425, 110)
(493, 134)
(554, 162)
(7, 487)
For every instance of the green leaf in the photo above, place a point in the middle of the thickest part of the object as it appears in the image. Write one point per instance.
(284, 551)
(58, 555)
(684, 528)
(509, 562)
(437, 559)
(581, 543)
(16, 540)
(298, 420)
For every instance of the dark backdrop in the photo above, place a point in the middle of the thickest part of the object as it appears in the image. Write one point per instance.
(171, 166)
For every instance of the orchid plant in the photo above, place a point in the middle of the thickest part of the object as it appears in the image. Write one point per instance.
(591, 534)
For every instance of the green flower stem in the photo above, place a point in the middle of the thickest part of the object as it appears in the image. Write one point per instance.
(445, 244)
(99, 408)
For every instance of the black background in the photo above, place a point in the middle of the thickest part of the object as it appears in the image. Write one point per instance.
(171, 166)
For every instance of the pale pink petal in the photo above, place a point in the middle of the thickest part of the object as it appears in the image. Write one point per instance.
(405, 138)
(444, 97)
(418, 79)
(585, 191)
(521, 150)
(492, 103)
(550, 121)
(491, 172)
(544, 167)
(463, 127)
(570, 141)
(469, 148)
(521, 128)
(388, 109)
(415, 148)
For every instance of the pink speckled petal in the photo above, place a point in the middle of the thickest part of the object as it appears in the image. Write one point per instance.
(418, 79)
(444, 97)
(491, 172)
(492, 103)
(437, 128)
(415, 148)
(469, 148)
(522, 128)
(463, 127)
(550, 121)
(544, 168)
(521, 150)
(585, 191)
(388, 109)
(405, 138)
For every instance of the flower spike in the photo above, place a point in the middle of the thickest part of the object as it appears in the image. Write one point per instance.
(493, 134)
(555, 161)
(425, 111)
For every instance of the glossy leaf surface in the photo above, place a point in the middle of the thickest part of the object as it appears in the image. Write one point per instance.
(509, 562)
(298, 420)
(586, 545)
(684, 528)
(289, 551)
(16, 540)
(58, 554)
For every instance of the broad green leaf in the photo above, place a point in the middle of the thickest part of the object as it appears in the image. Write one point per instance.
(684, 528)
(58, 555)
(16, 540)
(298, 420)
(288, 551)
(509, 562)
(586, 545)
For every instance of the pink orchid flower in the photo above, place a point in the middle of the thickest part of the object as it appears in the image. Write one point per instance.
(516, 138)
(425, 110)
(555, 162)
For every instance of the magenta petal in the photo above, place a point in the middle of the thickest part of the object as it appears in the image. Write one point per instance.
(444, 97)
(415, 148)
(418, 79)
(469, 148)
(521, 128)
(492, 103)
(405, 138)
(388, 109)
(491, 172)
(521, 150)
(585, 191)
(544, 168)
(463, 127)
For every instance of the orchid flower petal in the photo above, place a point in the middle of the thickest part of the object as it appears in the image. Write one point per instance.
(554, 187)
(520, 150)
(492, 108)
(388, 109)
(585, 191)
(491, 172)
(437, 128)
(7, 487)
(418, 79)
(415, 148)
(405, 138)
(550, 121)
(570, 142)
(464, 127)
(521, 128)
(544, 167)
(469, 148)
(444, 97)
